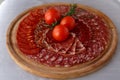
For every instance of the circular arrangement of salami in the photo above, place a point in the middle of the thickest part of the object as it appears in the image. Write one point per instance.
(86, 47)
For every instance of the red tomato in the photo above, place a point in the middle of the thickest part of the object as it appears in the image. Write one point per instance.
(69, 22)
(60, 33)
(52, 15)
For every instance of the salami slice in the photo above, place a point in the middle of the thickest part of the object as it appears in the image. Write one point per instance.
(30, 51)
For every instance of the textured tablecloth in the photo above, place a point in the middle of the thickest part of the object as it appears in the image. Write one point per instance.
(9, 9)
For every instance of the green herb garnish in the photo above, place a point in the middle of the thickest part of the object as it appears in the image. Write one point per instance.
(55, 23)
(72, 9)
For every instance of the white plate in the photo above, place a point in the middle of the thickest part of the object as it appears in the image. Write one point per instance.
(9, 9)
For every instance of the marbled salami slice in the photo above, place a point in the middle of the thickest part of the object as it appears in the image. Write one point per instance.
(30, 51)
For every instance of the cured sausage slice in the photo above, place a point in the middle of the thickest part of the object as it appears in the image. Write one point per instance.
(30, 51)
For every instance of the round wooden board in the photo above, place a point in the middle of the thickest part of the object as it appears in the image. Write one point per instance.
(52, 72)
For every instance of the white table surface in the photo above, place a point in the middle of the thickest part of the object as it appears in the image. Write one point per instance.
(9, 9)
(1, 1)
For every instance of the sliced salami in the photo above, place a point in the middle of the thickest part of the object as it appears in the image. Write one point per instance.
(86, 41)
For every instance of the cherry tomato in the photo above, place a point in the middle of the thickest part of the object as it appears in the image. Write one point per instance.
(69, 22)
(60, 33)
(52, 15)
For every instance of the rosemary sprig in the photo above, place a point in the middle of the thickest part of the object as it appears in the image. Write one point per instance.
(72, 10)
(55, 23)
